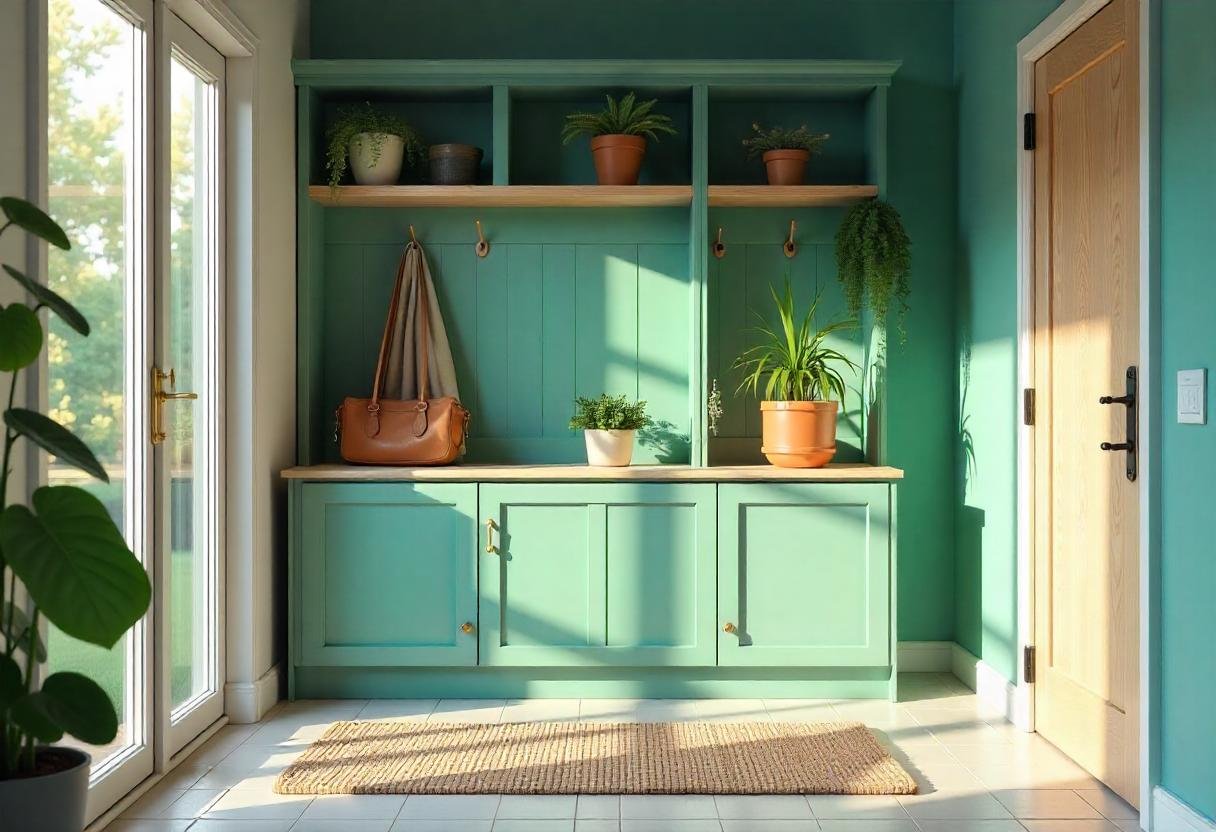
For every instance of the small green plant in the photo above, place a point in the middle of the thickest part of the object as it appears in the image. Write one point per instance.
(364, 118)
(873, 258)
(783, 138)
(793, 361)
(608, 413)
(64, 548)
(626, 117)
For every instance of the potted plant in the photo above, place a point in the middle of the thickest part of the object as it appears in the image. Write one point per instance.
(77, 572)
(785, 151)
(454, 164)
(374, 142)
(802, 387)
(608, 424)
(873, 258)
(618, 136)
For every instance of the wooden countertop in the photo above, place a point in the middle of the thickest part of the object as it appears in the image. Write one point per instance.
(843, 472)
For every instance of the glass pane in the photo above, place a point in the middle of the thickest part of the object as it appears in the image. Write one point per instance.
(188, 446)
(92, 129)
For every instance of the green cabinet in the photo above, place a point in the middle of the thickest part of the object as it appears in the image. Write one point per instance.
(618, 574)
(804, 574)
(387, 574)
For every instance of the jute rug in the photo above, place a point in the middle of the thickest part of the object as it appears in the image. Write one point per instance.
(596, 758)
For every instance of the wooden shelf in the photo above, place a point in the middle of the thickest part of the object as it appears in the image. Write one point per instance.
(838, 472)
(788, 196)
(502, 196)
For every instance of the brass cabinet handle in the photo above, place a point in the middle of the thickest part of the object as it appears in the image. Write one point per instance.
(159, 396)
(491, 549)
(729, 628)
(466, 627)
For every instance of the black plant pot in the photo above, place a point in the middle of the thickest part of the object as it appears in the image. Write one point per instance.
(53, 802)
(454, 164)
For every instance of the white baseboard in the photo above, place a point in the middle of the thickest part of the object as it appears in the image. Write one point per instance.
(248, 702)
(996, 693)
(924, 656)
(1172, 815)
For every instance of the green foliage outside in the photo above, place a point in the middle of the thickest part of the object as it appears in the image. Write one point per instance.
(765, 139)
(608, 413)
(626, 117)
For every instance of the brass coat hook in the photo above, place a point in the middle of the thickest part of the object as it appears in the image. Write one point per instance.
(413, 236)
(719, 247)
(483, 245)
(790, 247)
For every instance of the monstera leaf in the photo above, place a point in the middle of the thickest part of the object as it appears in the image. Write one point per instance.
(75, 565)
(69, 703)
(20, 337)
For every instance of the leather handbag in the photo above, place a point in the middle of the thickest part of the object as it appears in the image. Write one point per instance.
(422, 431)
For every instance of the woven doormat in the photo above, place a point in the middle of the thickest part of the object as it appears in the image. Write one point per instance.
(596, 758)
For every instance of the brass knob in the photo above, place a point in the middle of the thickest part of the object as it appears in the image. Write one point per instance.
(729, 628)
(466, 627)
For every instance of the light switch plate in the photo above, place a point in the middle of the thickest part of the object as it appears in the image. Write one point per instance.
(1192, 397)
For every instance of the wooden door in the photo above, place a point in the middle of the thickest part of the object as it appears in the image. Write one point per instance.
(387, 574)
(1086, 509)
(803, 575)
(585, 574)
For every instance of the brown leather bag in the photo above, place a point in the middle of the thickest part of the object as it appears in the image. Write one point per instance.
(424, 431)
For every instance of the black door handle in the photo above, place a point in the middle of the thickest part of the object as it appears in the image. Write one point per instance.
(1128, 400)
(1129, 445)
(1117, 446)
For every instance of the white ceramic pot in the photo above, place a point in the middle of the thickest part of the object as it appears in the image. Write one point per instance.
(609, 447)
(370, 169)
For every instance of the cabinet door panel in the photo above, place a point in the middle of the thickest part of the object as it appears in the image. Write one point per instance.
(387, 574)
(804, 574)
(618, 574)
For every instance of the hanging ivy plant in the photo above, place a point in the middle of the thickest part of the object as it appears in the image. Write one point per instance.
(873, 260)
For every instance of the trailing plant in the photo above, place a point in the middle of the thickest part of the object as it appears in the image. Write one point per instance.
(64, 548)
(627, 117)
(364, 118)
(783, 138)
(608, 413)
(873, 258)
(792, 360)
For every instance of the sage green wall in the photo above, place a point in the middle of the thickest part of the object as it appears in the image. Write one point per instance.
(921, 178)
(1188, 298)
(986, 35)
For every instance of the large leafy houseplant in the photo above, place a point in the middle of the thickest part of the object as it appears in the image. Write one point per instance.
(873, 258)
(63, 548)
(364, 119)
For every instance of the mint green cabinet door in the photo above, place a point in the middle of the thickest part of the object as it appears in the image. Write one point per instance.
(387, 574)
(804, 574)
(585, 574)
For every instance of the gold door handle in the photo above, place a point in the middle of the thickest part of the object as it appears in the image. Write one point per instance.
(491, 549)
(466, 627)
(159, 396)
(729, 628)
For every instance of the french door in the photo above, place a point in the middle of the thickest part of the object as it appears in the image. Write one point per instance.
(135, 170)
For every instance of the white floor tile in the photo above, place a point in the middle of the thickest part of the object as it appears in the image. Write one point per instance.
(597, 825)
(598, 806)
(971, 826)
(193, 803)
(342, 825)
(731, 825)
(960, 805)
(354, 807)
(397, 710)
(250, 804)
(543, 825)
(762, 807)
(426, 825)
(669, 825)
(1045, 803)
(150, 825)
(1109, 804)
(468, 710)
(667, 806)
(889, 825)
(450, 807)
(856, 807)
(537, 806)
(541, 710)
(212, 825)
(608, 710)
(1070, 826)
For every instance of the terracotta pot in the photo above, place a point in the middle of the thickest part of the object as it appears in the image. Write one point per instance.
(786, 167)
(52, 801)
(618, 158)
(371, 169)
(798, 434)
(613, 448)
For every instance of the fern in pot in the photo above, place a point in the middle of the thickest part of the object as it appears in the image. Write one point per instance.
(802, 387)
(785, 151)
(609, 424)
(77, 572)
(618, 136)
(873, 260)
(374, 143)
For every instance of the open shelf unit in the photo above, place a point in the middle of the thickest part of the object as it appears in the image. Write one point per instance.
(622, 295)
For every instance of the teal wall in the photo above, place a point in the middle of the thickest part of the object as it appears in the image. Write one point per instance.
(921, 179)
(985, 48)
(1188, 309)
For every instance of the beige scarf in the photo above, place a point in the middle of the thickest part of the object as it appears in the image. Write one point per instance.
(401, 378)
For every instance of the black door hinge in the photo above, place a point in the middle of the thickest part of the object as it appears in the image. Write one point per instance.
(1028, 406)
(1028, 664)
(1028, 131)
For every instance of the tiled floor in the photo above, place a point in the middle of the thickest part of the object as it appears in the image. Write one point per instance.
(976, 773)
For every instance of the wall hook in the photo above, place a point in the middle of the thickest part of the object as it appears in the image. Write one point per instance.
(790, 248)
(413, 236)
(483, 246)
(719, 247)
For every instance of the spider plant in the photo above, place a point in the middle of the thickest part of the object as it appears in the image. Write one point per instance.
(626, 117)
(792, 360)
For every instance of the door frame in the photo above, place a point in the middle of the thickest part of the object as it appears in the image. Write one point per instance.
(1062, 22)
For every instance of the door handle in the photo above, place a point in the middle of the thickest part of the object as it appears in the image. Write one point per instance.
(1128, 445)
(159, 396)
(491, 549)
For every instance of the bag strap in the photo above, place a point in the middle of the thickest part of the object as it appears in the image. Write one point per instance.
(424, 331)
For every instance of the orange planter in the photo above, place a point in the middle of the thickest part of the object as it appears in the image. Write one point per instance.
(618, 158)
(798, 434)
(786, 167)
